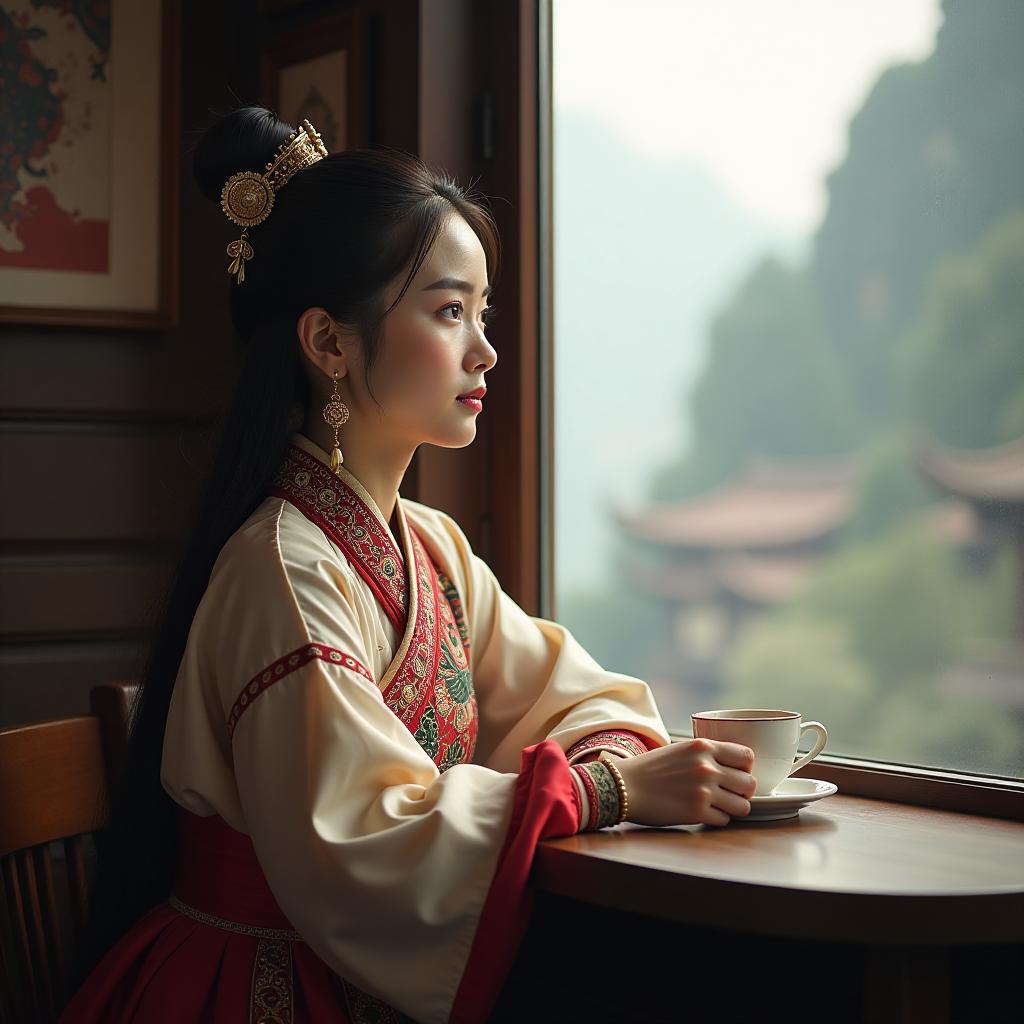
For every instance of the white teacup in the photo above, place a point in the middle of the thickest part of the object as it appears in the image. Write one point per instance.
(773, 736)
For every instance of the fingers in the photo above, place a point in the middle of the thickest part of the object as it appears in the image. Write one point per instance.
(738, 781)
(731, 803)
(735, 755)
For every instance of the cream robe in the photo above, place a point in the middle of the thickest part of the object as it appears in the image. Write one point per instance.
(380, 861)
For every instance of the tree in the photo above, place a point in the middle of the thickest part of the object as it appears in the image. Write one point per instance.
(898, 596)
(963, 363)
(935, 158)
(803, 663)
(890, 487)
(771, 385)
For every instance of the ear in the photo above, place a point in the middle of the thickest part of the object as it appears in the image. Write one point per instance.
(323, 340)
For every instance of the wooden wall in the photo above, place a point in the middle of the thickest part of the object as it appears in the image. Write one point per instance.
(479, 118)
(105, 435)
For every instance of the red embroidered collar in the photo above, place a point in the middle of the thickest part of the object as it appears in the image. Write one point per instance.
(334, 503)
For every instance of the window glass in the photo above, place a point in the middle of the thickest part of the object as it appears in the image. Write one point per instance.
(789, 363)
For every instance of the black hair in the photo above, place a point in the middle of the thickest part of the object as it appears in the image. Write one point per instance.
(340, 233)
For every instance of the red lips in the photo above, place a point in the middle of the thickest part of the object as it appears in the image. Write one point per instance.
(478, 393)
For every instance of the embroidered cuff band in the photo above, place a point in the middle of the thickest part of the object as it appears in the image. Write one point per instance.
(602, 794)
(623, 741)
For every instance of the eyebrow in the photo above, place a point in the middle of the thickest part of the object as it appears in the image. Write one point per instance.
(458, 285)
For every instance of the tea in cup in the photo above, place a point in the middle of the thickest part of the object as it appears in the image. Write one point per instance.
(773, 736)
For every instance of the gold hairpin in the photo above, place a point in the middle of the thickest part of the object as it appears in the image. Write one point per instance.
(248, 196)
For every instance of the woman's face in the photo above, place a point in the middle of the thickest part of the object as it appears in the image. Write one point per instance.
(434, 348)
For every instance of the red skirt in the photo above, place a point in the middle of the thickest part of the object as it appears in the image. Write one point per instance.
(219, 951)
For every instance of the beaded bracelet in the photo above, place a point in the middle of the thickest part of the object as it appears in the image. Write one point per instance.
(623, 796)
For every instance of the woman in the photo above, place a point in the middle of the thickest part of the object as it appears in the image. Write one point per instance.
(349, 740)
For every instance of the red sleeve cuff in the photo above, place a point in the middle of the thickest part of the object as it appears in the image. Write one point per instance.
(546, 804)
(623, 741)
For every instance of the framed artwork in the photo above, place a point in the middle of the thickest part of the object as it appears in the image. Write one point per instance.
(89, 177)
(318, 69)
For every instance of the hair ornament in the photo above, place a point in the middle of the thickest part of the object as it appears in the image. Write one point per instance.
(248, 196)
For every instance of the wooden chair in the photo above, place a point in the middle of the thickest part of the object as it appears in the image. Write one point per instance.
(55, 781)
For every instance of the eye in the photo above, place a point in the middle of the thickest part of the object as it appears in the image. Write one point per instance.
(488, 313)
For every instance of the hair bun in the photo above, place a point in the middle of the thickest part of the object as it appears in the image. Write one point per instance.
(243, 140)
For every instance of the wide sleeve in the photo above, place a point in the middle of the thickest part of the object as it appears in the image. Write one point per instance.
(409, 883)
(534, 680)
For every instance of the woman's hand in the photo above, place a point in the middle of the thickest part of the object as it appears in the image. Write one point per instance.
(690, 782)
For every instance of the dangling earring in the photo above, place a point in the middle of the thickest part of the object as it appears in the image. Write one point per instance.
(336, 413)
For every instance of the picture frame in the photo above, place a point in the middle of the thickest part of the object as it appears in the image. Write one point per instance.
(318, 69)
(89, 190)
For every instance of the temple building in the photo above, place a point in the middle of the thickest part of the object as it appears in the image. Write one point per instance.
(725, 556)
(991, 481)
(722, 556)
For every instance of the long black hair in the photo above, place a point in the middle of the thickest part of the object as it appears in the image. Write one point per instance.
(339, 234)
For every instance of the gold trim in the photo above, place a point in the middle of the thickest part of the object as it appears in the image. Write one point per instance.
(412, 582)
(403, 545)
(232, 926)
(271, 995)
(346, 475)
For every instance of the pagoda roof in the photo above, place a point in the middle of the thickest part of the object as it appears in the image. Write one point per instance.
(980, 474)
(773, 504)
(762, 579)
(770, 577)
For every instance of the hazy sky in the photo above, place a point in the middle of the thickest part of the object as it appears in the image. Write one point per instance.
(673, 77)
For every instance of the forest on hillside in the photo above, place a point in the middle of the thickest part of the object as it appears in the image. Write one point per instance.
(905, 324)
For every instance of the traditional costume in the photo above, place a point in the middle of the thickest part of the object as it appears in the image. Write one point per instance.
(367, 738)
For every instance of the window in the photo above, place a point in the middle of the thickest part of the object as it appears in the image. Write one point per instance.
(788, 345)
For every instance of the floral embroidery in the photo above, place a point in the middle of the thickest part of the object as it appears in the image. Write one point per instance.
(426, 732)
(455, 603)
(623, 739)
(285, 666)
(452, 756)
(271, 1001)
(327, 501)
(442, 700)
(431, 690)
(365, 1009)
(459, 684)
(419, 668)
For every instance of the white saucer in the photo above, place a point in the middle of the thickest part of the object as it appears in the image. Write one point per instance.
(789, 796)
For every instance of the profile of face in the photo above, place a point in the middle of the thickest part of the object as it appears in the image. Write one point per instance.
(435, 347)
(433, 350)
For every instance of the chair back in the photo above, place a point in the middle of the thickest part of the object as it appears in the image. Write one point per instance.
(55, 783)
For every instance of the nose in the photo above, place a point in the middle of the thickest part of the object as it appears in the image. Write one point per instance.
(482, 357)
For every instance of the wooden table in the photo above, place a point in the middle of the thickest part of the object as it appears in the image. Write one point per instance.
(909, 883)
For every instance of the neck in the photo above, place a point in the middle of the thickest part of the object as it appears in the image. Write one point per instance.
(379, 468)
